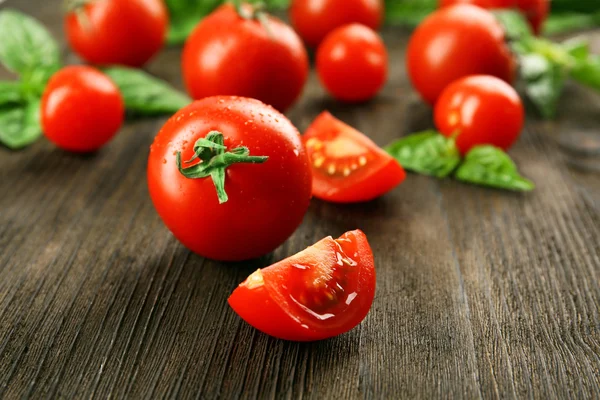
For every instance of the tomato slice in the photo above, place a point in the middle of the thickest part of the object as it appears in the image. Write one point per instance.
(347, 166)
(319, 293)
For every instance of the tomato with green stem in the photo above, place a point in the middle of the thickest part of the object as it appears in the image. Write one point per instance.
(243, 51)
(479, 110)
(230, 177)
(111, 32)
(81, 109)
(454, 42)
(347, 166)
(321, 292)
(315, 19)
(352, 63)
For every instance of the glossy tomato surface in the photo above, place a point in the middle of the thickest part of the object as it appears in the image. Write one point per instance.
(536, 11)
(266, 201)
(352, 63)
(125, 32)
(319, 293)
(314, 19)
(229, 55)
(81, 109)
(480, 110)
(454, 42)
(347, 166)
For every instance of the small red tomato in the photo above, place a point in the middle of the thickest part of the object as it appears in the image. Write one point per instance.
(319, 293)
(82, 109)
(125, 32)
(454, 42)
(536, 11)
(258, 57)
(314, 19)
(347, 166)
(230, 177)
(480, 110)
(352, 63)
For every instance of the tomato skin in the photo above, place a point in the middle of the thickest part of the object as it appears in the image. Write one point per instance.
(454, 42)
(314, 19)
(266, 202)
(482, 110)
(124, 32)
(352, 63)
(228, 55)
(536, 11)
(379, 175)
(81, 109)
(270, 308)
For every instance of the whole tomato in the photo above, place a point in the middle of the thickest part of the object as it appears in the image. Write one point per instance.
(125, 32)
(314, 19)
(352, 63)
(251, 55)
(536, 11)
(454, 42)
(82, 109)
(480, 110)
(248, 184)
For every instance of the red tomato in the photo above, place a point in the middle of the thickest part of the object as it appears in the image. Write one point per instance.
(480, 110)
(82, 109)
(347, 166)
(266, 202)
(314, 19)
(319, 293)
(352, 63)
(126, 32)
(536, 11)
(455, 42)
(230, 55)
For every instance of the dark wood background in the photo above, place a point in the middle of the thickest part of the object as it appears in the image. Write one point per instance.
(481, 293)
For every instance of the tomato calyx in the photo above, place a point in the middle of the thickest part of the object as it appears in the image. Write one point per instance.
(256, 11)
(215, 159)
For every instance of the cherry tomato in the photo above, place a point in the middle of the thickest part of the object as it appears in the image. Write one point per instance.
(347, 166)
(234, 206)
(319, 293)
(314, 19)
(480, 110)
(231, 55)
(352, 63)
(454, 42)
(125, 32)
(536, 11)
(82, 109)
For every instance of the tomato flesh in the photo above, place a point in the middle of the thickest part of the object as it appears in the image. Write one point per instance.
(321, 292)
(347, 166)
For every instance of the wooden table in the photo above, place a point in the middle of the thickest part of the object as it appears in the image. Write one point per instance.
(481, 293)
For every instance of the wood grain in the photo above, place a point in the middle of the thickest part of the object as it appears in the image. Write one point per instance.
(481, 293)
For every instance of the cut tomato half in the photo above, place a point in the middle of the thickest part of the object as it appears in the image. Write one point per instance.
(316, 294)
(347, 166)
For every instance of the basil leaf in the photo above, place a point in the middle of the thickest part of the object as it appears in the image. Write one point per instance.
(27, 48)
(408, 12)
(20, 125)
(184, 15)
(492, 167)
(428, 153)
(10, 93)
(587, 72)
(145, 94)
(514, 23)
(571, 21)
(544, 82)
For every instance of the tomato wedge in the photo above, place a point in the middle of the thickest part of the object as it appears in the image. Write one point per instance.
(316, 294)
(347, 166)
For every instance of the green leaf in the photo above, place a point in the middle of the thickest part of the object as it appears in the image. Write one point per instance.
(428, 153)
(145, 94)
(27, 48)
(587, 72)
(10, 93)
(564, 22)
(515, 24)
(492, 167)
(544, 82)
(20, 125)
(408, 12)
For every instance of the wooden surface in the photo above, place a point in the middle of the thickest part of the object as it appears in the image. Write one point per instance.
(481, 293)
